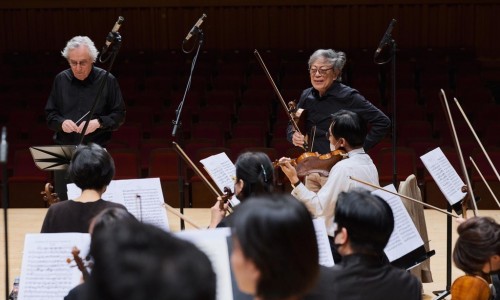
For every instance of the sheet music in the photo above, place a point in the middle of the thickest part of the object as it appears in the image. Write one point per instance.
(444, 174)
(324, 250)
(223, 173)
(405, 237)
(45, 274)
(213, 243)
(221, 169)
(142, 197)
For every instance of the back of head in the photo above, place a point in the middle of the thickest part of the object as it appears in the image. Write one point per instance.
(350, 126)
(478, 240)
(110, 216)
(367, 218)
(277, 233)
(136, 261)
(91, 167)
(257, 172)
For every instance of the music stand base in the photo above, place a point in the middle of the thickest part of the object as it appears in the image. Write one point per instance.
(440, 294)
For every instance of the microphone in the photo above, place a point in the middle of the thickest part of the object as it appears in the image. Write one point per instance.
(195, 28)
(110, 37)
(386, 38)
(3, 146)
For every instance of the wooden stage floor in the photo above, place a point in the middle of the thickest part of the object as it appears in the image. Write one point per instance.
(22, 221)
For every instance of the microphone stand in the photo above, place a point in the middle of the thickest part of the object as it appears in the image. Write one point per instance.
(392, 58)
(117, 42)
(178, 124)
(5, 206)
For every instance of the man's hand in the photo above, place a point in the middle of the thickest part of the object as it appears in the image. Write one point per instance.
(288, 169)
(298, 139)
(93, 125)
(69, 126)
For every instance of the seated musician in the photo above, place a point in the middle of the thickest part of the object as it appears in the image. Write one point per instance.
(363, 225)
(136, 261)
(254, 177)
(327, 96)
(274, 248)
(347, 131)
(105, 218)
(91, 169)
(477, 253)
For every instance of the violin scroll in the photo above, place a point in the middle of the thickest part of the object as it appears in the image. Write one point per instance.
(48, 195)
(79, 263)
(225, 198)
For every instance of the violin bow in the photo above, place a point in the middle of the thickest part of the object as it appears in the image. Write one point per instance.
(484, 181)
(181, 216)
(470, 193)
(186, 158)
(277, 91)
(477, 138)
(403, 196)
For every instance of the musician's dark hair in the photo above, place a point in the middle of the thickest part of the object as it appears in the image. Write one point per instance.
(478, 240)
(109, 216)
(137, 261)
(350, 126)
(257, 172)
(368, 219)
(91, 167)
(276, 232)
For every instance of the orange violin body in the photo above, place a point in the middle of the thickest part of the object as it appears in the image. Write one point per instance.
(470, 287)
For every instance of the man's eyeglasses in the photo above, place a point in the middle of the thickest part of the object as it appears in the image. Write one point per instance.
(321, 71)
(82, 63)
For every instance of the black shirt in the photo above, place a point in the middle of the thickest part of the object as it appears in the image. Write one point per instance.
(72, 98)
(338, 97)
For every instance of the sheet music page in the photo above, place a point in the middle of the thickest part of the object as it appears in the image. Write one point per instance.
(213, 243)
(444, 174)
(221, 169)
(142, 197)
(405, 237)
(324, 250)
(45, 274)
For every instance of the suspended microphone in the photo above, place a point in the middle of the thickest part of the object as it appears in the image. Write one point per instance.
(386, 38)
(3, 146)
(111, 37)
(195, 28)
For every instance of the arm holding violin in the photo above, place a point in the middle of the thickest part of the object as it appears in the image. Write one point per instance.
(379, 122)
(217, 213)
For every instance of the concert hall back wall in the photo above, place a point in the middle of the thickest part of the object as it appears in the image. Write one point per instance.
(36, 25)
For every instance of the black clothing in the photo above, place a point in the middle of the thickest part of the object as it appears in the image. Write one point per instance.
(73, 216)
(79, 292)
(71, 98)
(368, 277)
(338, 97)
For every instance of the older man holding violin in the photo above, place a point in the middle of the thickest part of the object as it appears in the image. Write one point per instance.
(347, 131)
(327, 96)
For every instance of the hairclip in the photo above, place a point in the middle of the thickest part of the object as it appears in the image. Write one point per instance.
(264, 173)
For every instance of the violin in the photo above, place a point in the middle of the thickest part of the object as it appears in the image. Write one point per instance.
(48, 195)
(228, 194)
(470, 287)
(309, 162)
(79, 263)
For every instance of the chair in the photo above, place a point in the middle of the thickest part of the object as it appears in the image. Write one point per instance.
(127, 163)
(27, 182)
(130, 134)
(237, 145)
(255, 129)
(405, 164)
(164, 163)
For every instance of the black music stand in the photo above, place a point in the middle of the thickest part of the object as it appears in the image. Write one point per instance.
(52, 158)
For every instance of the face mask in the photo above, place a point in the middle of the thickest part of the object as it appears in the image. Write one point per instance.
(333, 147)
